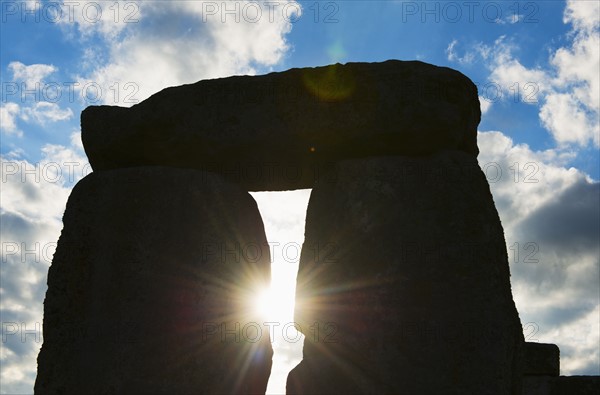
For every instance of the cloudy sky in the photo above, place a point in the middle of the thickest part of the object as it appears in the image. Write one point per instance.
(536, 64)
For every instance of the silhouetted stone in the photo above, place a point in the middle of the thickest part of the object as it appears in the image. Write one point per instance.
(150, 264)
(541, 359)
(404, 284)
(562, 385)
(282, 130)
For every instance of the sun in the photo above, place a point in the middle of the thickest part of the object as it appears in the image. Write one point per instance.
(263, 303)
(273, 305)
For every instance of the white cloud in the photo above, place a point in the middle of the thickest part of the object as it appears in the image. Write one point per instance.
(568, 92)
(32, 74)
(584, 15)
(485, 104)
(551, 220)
(452, 55)
(450, 52)
(578, 65)
(568, 121)
(76, 142)
(522, 180)
(33, 108)
(514, 18)
(511, 76)
(508, 77)
(33, 200)
(477, 51)
(15, 153)
(182, 42)
(577, 80)
(39, 190)
(97, 18)
(42, 112)
(8, 116)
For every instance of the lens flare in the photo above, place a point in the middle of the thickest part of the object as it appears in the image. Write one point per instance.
(275, 305)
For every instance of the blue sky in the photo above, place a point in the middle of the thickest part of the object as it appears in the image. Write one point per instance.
(536, 64)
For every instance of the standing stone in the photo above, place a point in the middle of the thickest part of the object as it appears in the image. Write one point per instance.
(404, 284)
(150, 288)
(541, 359)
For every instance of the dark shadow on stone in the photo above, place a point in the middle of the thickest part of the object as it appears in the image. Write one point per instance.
(415, 282)
(146, 294)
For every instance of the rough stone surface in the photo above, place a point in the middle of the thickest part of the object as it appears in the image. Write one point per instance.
(541, 359)
(281, 130)
(403, 285)
(144, 275)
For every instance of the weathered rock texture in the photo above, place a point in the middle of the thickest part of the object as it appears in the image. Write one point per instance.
(150, 285)
(403, 285)
(281, 130)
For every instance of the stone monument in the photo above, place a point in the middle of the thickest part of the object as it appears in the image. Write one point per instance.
(404, 283)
